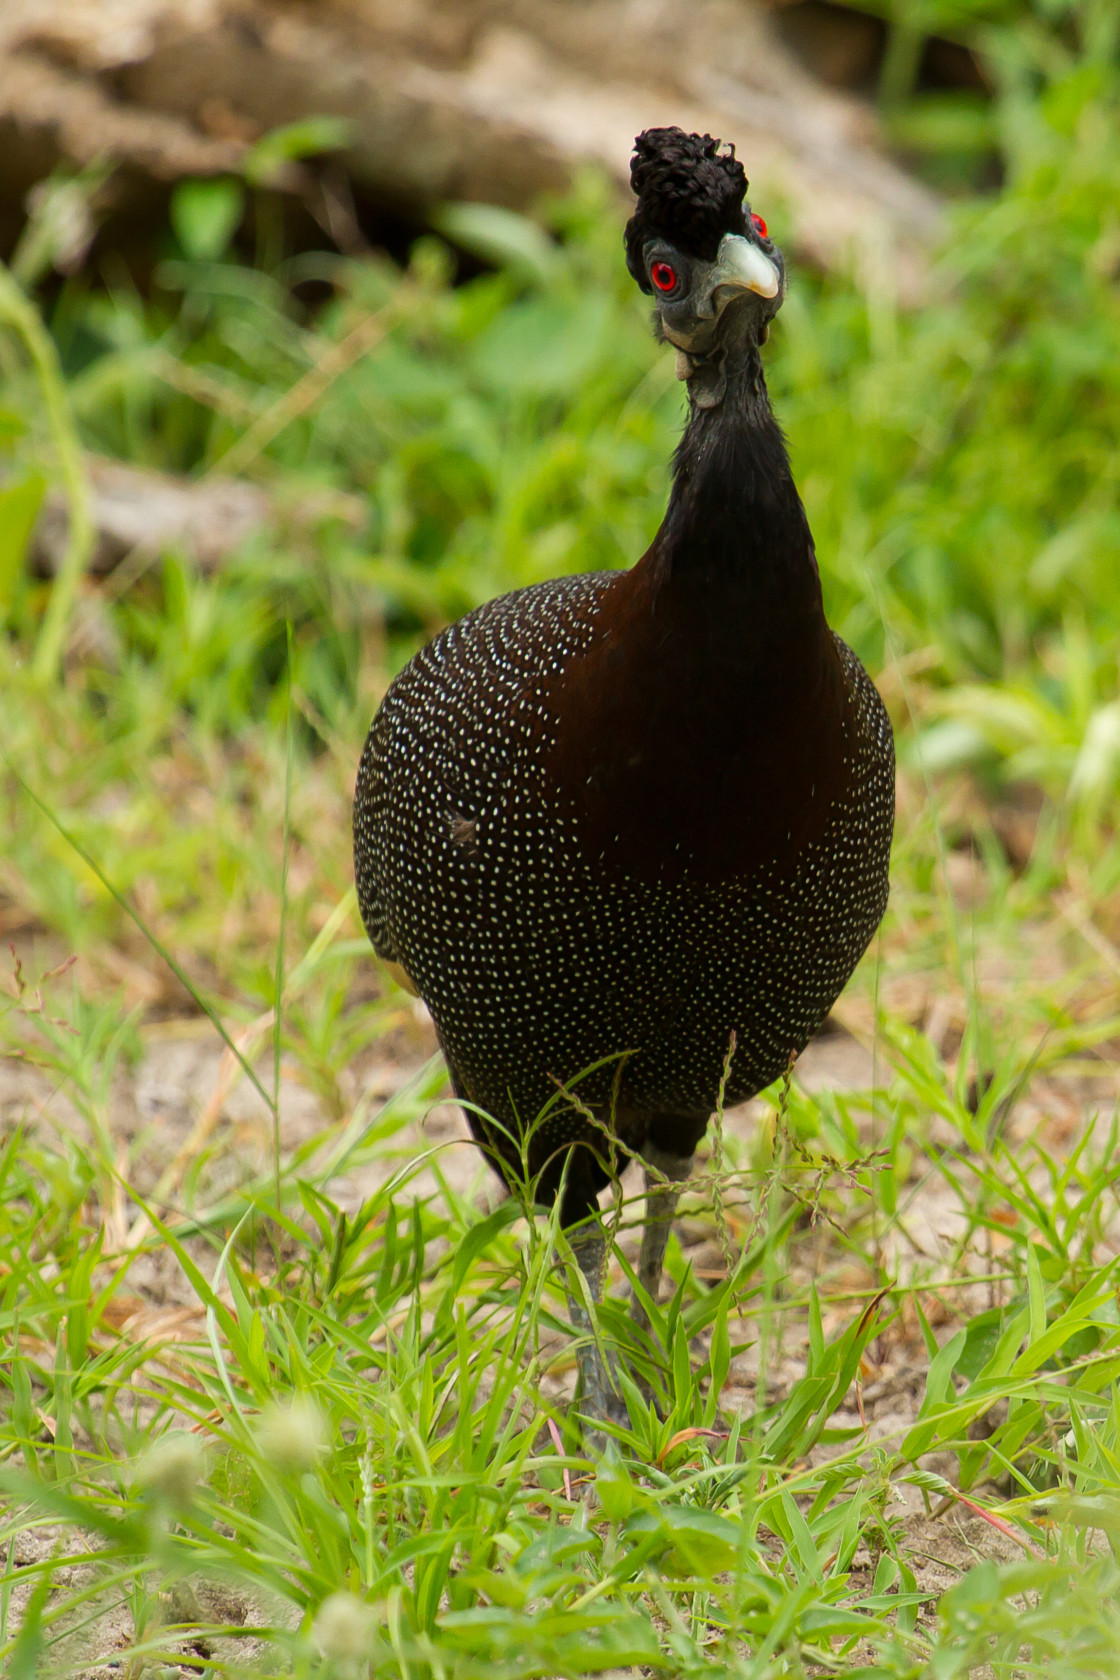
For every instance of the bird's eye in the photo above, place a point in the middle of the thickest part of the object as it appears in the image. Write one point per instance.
(759, 226)
(664, 276)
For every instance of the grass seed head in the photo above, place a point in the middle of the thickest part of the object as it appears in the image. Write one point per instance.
(292, 1436)
(171, 1469)
(344, 1627)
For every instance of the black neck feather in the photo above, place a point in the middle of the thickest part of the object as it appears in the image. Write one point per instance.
(734, 513)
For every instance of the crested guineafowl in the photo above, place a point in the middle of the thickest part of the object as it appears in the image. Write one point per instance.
(612, 825)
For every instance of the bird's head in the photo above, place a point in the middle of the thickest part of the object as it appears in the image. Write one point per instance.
(694, 245)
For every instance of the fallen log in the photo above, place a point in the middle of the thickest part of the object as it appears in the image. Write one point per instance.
(491, 100)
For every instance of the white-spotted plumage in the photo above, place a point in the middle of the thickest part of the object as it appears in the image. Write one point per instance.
(538, 959)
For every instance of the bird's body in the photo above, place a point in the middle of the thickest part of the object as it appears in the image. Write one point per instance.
(569, 875)
(623, 822)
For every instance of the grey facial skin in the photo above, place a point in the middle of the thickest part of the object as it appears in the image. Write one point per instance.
(715, 306)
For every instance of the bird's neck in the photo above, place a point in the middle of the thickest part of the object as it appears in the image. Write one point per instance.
(714, 690)
(734, 516)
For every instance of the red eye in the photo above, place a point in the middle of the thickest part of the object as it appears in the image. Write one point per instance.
(664, 276)
(759, 225)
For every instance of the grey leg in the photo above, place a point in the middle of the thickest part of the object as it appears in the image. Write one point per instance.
(661, 1206)
(597, 1398)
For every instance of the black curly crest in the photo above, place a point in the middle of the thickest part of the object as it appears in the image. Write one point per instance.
(688, 193)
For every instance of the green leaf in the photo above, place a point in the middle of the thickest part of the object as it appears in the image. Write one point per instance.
(1036, 1291)
(29, 1645)
(693, 1543)
(501, 237)
(19, 509)
(263, 165)
(981, 1339)
(719, 1361)
(205, 215)
(616, 1493)
(478, 1239)
(13, 426)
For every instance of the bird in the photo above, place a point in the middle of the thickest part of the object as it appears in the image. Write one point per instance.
(627, 833)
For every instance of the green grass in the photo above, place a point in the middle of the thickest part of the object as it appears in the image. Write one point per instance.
(276, 1397)
(352, 1406)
